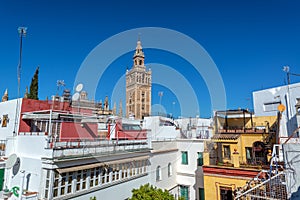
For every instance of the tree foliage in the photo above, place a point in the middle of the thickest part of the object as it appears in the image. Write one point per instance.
(148, 192)
(34, 86)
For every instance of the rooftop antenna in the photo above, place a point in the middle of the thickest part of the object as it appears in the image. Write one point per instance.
(59, 83)
(287, 70)
(22, 32)
(76, 96)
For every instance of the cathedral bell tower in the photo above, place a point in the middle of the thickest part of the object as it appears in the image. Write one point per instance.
(138, 86)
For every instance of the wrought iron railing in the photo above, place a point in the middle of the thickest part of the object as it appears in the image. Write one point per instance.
(273, 188)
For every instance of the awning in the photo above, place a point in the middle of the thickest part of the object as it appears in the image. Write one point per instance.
(93, 165)
(89, 120)
(40, 116)
(225, 136)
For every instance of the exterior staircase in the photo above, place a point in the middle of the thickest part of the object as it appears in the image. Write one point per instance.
(268, 184)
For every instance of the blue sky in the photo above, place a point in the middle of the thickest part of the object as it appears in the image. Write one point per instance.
(249, 41)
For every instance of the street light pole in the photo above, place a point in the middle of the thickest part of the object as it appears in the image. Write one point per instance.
(160, 94)
(22, 31)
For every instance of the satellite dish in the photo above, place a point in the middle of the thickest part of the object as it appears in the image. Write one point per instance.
(11, 161)
(75, 97)
(16, 166)
(79, 87)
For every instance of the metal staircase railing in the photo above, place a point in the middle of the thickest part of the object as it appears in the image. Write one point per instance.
(273, 188)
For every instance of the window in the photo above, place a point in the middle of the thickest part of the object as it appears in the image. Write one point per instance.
(78, 178)
(184, 192)
(184, 158)
(226, 151)
(69, 184)
(248, 153)
(200, 159)
(158, 173)
(170, 171)
(47, 183)
(226, 193)
(4, 120)
(271, 106)
(201, 194)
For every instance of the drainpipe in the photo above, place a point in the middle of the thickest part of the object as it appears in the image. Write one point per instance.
(21, 184)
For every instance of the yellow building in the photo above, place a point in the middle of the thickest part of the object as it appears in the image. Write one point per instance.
(239, 151)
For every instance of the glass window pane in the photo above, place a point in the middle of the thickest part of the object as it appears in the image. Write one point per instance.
(184, 157)
(200, 159)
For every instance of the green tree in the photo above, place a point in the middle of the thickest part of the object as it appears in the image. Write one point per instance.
(34, 86)
(148, 192)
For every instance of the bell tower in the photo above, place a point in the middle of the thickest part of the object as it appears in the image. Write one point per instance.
(138, 86)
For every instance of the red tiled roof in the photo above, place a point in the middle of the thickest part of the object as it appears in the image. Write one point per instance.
(225, 136)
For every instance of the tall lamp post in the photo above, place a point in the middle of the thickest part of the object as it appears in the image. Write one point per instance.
(288, 74)
(160, 94)
(22, 31)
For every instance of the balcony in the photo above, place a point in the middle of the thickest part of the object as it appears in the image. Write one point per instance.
(241, 130)
(250, 163)
(87, 148)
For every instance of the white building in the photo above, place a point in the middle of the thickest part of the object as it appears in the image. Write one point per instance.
(53, 154)
(266, 103)
(61, 158)
(176, 155)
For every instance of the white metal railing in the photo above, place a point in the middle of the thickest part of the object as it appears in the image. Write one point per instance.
(33, 133)
(277, 154)
(86, 148)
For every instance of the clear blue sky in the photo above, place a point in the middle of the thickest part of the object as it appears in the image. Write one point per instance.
(249, 41)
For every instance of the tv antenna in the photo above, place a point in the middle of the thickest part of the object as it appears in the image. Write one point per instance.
(60, 83)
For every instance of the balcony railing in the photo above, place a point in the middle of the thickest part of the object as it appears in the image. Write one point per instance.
(83, 148)
(256, 162)
(241, 130)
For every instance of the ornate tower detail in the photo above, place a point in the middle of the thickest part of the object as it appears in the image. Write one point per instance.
(26, 93)
(120, 109)
(114, 111)
(106, 105)
(138, 86)
(5, 96)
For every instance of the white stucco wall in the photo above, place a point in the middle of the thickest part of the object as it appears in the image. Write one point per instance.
(190, 175)
(9, 108)
(120, 191)
(201, 127)
(164, 152)
(160, 132)
(30, 149)
(287, 96)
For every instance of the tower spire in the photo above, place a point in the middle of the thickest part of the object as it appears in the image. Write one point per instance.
(120, 109)
(138, 57)
(5, 96)
(26, 93)
(139, 49)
